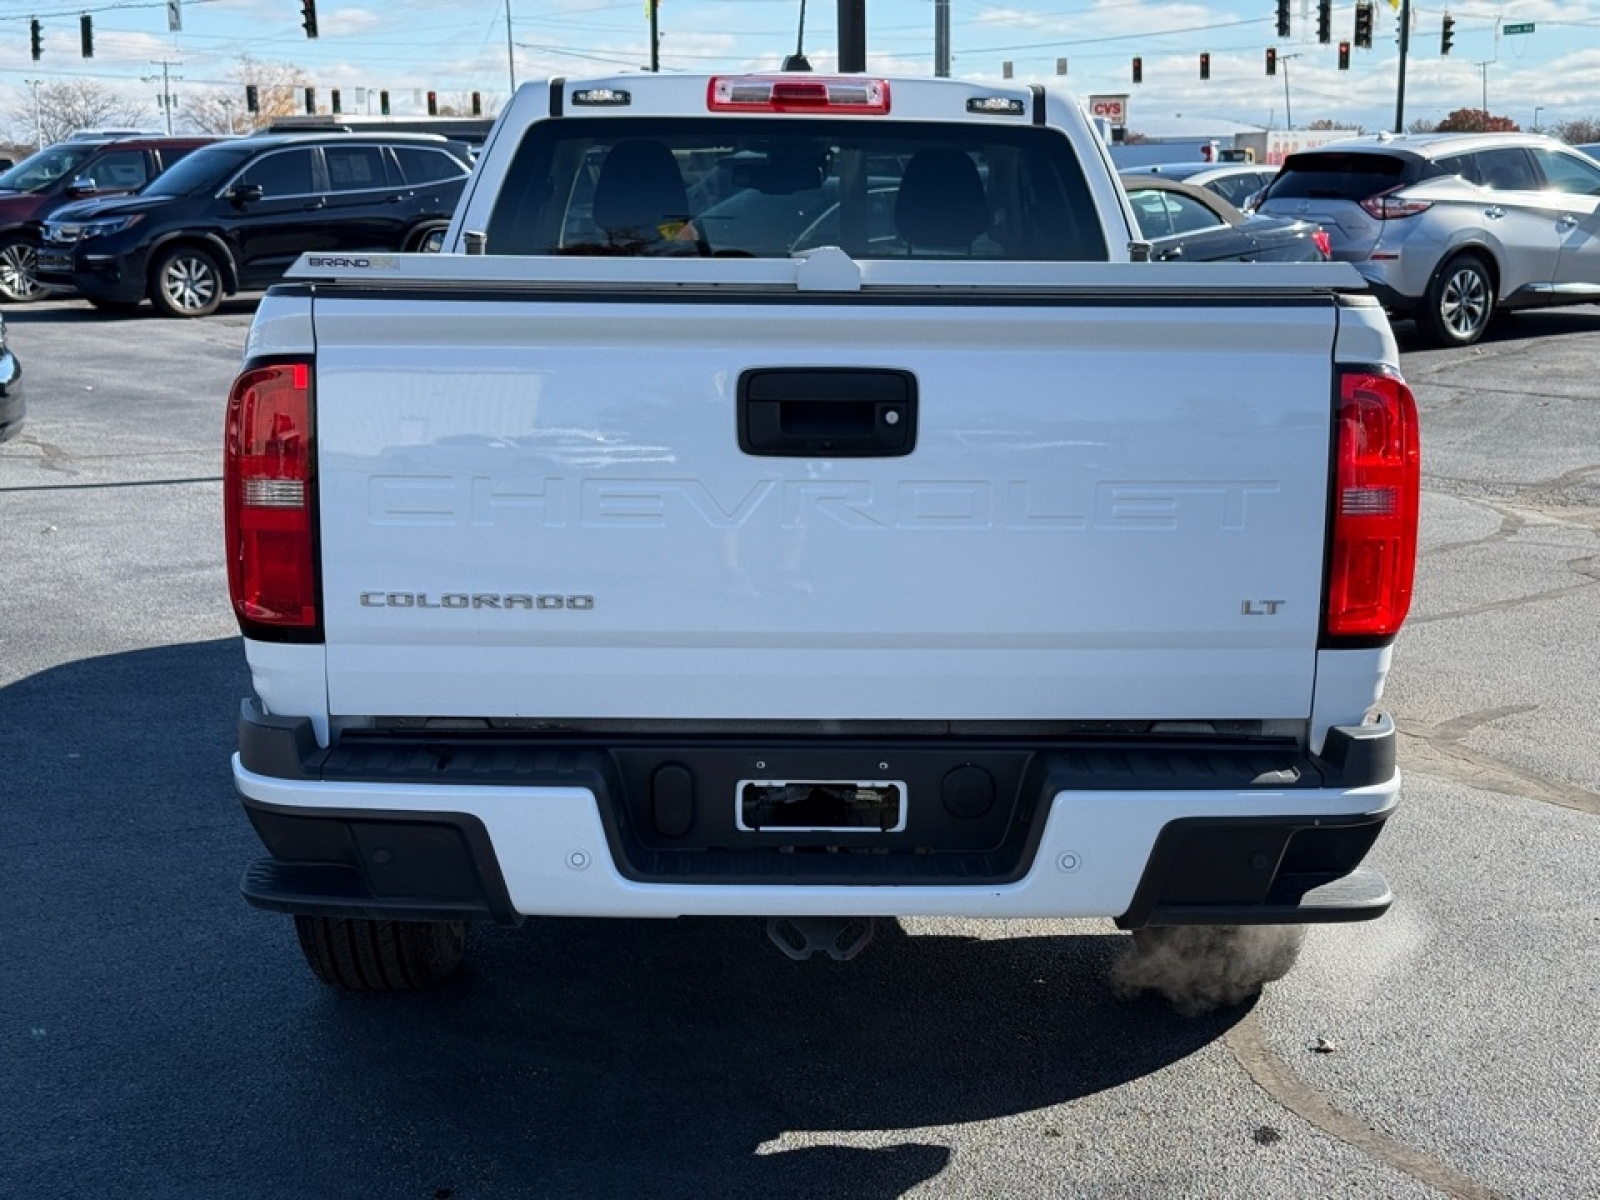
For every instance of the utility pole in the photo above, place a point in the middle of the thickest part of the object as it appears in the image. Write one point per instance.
(167, 79)
(1400, 87)
(655, 36)
(852, 36)
(511, 54)
(38, 122)
(1288, 111)
(1484, 68)
(227, 107)
(941, 39)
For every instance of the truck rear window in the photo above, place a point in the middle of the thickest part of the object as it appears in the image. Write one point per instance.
(1342, 176)
(755, 187)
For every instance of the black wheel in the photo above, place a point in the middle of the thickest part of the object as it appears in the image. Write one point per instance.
(1459, 303)
(19, 266)
(358, 955)
(186, 282)
(120, 308)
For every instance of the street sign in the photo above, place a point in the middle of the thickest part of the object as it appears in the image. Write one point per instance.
(1525, 27)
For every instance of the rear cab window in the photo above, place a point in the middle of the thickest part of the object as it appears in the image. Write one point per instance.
(764, 188)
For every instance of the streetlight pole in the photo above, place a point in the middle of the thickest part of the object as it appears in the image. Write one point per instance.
(511, 54)
(1484, 68)
(1537, 109)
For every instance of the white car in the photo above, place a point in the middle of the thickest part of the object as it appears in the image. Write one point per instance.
(1234, 182)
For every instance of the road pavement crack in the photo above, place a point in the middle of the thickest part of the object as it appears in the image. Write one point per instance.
(1439, 752)
(111, 484)
(1275, 1077)
(1579, 566)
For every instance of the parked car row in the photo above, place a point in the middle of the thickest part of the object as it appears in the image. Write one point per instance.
(224, 215)
(83, 167)
(1447, 228)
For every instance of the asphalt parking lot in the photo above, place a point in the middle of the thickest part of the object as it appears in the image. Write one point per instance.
(158, 1038)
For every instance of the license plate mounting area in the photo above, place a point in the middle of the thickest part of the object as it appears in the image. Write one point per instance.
(848, 806)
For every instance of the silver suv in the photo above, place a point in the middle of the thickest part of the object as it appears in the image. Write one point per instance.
(1450, 227)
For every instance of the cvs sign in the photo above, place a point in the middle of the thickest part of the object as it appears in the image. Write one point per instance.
(1113, 109)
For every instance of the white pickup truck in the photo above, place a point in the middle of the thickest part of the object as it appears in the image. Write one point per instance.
(793, 497)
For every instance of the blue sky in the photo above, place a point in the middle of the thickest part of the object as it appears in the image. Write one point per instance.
(457, 46)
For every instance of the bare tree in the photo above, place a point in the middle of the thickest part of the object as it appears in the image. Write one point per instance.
(64, 105)
(1326, 123)
(460, 105)
(1581, 132)
(1423, 125)
(280, 92)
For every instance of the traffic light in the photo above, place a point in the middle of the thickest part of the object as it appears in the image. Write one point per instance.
(1283, 18)
(1272, 61)
(1324, 21)
(1447, 35)
(477, 104)
(37, 31)
(308, 17)
(86, 35)
(1205, 65)
(1344, 56)
(1364, 25)
(433, 104)
(252, 98)
(311, 102)
(1138, 63)
(383, 103)
(334, 102)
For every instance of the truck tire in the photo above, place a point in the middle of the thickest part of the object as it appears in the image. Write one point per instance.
(1459, 303)
(19, 264)
(358, 955)
(186, 282)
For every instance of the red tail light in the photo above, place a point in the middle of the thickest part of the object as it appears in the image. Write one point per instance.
(267, 503)
(1377, 481)
(1387, 206)
(1322, 242)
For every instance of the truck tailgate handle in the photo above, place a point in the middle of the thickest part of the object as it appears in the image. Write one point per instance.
(827, 412)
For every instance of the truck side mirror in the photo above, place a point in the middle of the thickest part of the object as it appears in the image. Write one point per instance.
(82, 186)
(246, 193)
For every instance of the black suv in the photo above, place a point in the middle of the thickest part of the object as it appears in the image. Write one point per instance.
(235, 215)
(76, 169)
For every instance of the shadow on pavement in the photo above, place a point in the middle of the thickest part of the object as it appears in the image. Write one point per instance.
(67, 309)
(1512, 327)
(160, 1038)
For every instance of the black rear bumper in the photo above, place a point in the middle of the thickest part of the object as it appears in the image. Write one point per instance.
(1270, 868)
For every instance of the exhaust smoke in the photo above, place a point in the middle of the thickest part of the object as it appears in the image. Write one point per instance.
(1198, 968)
